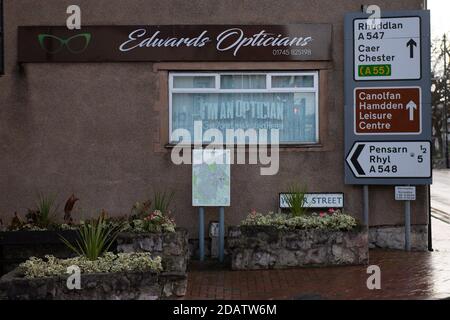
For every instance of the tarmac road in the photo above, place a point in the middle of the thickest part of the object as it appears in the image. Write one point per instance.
(440, 210)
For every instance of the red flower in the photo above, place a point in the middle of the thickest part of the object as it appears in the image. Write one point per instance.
(322, 214)
(331, 211)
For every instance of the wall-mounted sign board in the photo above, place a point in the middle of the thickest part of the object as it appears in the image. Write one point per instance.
(390, 49)
(293, 42)
(211, 178)
(405, 193)
(317, 200)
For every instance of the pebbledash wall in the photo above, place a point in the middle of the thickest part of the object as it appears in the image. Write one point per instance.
(100, 129)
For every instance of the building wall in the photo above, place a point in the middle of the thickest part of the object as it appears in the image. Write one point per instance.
(99, 129)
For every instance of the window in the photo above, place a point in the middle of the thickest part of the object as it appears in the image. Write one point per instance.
(287, 101)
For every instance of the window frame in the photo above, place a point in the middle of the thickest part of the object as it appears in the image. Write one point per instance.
(268, 89)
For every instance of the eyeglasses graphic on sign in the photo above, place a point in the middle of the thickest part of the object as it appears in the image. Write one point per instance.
(75, 44)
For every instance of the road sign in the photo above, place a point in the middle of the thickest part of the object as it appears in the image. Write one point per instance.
(405, 193)
(387, 97)
(387, 110)
(390, 159)
(387, 48)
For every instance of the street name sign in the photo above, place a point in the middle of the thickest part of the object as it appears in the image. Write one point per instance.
(387, 98)
(390, 159)
(317, 200)
(388, 110)
(405, 193)
(387, 48)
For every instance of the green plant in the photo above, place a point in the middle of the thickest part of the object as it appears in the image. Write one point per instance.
(45, 211)
(95, 238)
(161, 201)
(109, 262)
(296, 200)
(331, 220)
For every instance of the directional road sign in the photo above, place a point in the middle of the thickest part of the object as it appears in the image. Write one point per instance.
(387, 48)
(387, 98)
(388, 110)
(390, 159)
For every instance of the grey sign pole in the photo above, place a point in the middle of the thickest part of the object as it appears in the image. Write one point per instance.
(366, 205)
(408, 225)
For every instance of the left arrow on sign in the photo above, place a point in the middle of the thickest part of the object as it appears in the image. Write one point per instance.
(354, 159)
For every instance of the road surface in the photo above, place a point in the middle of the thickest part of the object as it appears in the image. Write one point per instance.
(440, 210)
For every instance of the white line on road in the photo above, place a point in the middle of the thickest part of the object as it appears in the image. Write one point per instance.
(441, 215)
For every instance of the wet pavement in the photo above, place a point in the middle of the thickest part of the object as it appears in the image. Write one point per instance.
(404, 275)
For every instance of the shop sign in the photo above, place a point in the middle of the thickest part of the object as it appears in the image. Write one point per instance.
(175, 43)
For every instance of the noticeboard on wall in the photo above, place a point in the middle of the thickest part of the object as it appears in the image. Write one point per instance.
(211, 178)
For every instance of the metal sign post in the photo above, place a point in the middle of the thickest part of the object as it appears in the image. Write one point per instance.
(406, 194)
(201, 233)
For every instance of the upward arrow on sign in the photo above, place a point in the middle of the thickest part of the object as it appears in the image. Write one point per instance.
(411, 106)
(411, 44)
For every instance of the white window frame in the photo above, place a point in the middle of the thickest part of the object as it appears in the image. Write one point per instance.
(268, 89)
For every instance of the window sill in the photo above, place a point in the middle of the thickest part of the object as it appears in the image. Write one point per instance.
(281, 146)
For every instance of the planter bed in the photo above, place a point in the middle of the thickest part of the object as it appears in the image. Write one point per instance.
(266, 247)
(172, 247)
(18, 246)
(95, 286)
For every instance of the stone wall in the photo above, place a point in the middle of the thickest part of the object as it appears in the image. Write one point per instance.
(172, 247)
(269, 248)
(393, 237)
(96, 286)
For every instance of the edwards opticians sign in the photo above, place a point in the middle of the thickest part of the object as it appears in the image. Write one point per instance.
(175, 43)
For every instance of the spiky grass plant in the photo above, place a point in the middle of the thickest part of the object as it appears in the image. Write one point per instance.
(46, 208)
(162, 200)
(95, 237)
(296, 199)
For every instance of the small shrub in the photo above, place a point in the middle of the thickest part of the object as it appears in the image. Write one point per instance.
(332, 220)
(153, 222)
(95, 238)
(108, 262)
(162, 200)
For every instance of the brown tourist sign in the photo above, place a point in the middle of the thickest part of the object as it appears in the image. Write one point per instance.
(388, 110)
(175, 43)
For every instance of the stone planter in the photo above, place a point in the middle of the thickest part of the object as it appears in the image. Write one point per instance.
(17, 246)
(269, 248)
(95, 286)
(172, 247)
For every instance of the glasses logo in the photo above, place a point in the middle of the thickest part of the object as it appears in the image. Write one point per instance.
(75, 44)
